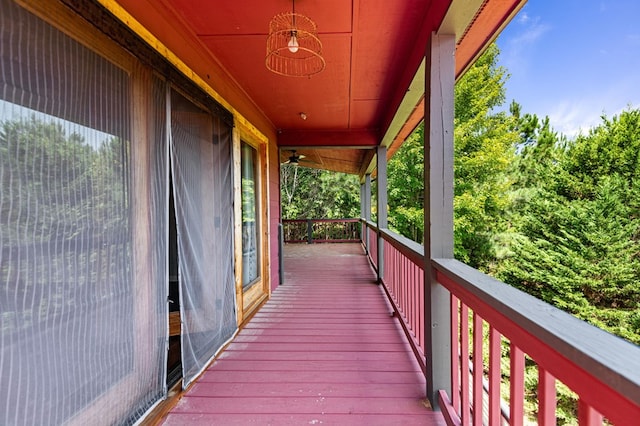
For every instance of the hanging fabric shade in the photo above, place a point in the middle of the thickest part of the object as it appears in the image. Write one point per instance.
(293, 46)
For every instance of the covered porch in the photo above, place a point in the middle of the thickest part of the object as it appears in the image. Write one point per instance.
(325, 349)
(343, 341)
(161, 234)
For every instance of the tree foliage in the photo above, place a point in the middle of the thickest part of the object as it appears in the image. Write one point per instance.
(56, 183)
(576, 231)
(483, 151)
(405, 178)
(312, 193)
(484, 141)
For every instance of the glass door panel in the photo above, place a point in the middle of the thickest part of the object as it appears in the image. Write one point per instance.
(250, 216)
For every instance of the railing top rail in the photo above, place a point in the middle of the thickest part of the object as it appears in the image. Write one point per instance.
(409, 248)
(370, 224)
(605, 357)
(599, 366)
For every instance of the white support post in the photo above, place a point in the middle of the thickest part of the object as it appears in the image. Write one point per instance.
(382, 206)
(438, 209)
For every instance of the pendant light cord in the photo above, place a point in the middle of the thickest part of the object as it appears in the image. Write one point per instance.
(294, 12)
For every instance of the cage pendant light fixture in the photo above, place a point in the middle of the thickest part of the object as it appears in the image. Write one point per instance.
(293, 46)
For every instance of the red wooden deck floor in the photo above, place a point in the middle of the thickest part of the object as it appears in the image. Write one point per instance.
(323, 350)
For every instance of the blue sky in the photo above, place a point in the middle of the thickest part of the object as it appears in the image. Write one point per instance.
(573, 60)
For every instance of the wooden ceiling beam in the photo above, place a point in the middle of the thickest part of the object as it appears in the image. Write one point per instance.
(333, 139)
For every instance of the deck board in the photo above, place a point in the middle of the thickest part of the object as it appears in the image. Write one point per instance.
(323, 350)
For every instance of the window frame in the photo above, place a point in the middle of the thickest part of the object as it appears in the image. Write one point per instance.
(249, 298)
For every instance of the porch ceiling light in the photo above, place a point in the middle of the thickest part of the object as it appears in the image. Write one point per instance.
(293, 46)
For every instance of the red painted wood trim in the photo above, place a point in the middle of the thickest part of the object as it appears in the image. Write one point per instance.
(495, 416)
(356, 138)
(465, 413)
(516, 386)
(400, 288)
(455, 354)
(615, 407)
(449, 414)
(373, 247)
(409, 249)
(333, 241)
(587, 415)
(486, 27)
(478, 368)
(546, 398)
(421, 313)
(414, 119)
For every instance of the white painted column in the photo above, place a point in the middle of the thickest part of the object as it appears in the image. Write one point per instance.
(382, 206)
(438, 209)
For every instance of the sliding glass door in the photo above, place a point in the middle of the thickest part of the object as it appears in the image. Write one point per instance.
(250, 216)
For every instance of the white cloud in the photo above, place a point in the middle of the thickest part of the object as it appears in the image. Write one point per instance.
(523, 17)
(533, 31)
(574, 117)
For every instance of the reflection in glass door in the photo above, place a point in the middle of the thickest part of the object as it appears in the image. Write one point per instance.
(250, 215)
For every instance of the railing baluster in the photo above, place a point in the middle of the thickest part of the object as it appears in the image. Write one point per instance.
(516, 386)
(546, 398)
(478, 369)
(587, 415)
(455, 354)
(416, 298)
(422, 311)
(477, 292)
(322, 230)
(494, 377)
(405, 288)
(464, 365)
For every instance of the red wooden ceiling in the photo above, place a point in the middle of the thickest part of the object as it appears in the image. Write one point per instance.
(372, 50)
(366, 45)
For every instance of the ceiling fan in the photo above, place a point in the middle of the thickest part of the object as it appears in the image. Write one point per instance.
(294, 158)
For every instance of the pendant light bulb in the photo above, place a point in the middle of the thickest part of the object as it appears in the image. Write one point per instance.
(293, 43)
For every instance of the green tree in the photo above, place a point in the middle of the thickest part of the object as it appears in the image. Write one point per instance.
(576, 243)
(483, 152)
(575, 229)
(45, 173)
(405, 174)
(64, 204)
(312, 193)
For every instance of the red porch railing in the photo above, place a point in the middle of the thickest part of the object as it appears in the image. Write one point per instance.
(603, 370)
(372, 248)
(321, 230)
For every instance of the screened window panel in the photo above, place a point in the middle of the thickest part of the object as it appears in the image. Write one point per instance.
(72, 334)
(202, 186)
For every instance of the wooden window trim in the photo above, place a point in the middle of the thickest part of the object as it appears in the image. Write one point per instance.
(248, 301)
